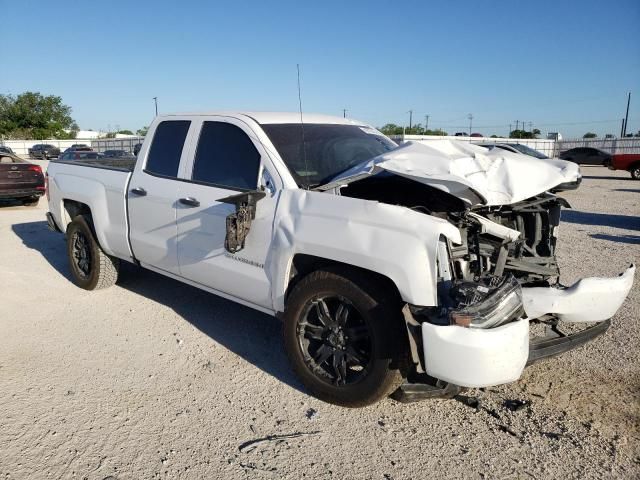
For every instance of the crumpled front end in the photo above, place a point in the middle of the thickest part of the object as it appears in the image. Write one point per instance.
(493, 287)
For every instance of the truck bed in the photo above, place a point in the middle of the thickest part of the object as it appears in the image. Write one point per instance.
(124, 164)
(102, 185)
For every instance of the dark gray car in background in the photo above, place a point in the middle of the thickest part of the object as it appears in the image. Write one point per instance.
(44, 151)
(586, 156)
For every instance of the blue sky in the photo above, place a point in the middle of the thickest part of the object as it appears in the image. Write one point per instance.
(563, 65)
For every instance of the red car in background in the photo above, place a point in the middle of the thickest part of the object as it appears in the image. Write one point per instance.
(626, 161)
(20, 180)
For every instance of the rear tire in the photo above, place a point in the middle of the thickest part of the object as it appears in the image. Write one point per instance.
(635, 171)
(343, 334)
(91, 268)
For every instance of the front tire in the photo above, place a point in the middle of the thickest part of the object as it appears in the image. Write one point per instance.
(635, 171)
(343, 335)
(91, 268)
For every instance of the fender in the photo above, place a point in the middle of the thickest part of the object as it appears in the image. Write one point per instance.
(394, 241)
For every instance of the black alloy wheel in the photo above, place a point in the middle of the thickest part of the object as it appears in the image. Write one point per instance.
(335, 340)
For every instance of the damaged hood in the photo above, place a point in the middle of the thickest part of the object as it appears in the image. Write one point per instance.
(472, 173)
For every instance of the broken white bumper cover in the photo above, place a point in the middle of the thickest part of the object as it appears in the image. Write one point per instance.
(588, 300)
(471, 357)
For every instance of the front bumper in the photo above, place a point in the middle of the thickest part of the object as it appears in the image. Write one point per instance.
(538, 349)
(588, 300)
(473, 357)
(545, 347)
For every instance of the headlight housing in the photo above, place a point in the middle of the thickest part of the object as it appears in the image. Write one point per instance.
(488, 307)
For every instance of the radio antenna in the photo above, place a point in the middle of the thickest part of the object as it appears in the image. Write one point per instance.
(304, 145)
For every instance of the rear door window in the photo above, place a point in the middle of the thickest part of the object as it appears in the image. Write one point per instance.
(226, 157)
(166, 148)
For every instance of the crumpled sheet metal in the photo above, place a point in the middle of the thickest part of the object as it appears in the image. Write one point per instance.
(472, 173)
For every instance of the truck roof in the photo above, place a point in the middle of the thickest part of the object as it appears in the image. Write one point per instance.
(277, 117)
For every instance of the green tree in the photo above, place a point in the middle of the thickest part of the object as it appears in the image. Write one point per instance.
(589, 135)
(141, 132)
(439, 132)
(31, 115)
(391, 129)
(521, 134)
(125, 132)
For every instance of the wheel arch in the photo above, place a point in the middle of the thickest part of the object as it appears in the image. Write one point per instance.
(303, 264)
(73, 208)
(633, 166)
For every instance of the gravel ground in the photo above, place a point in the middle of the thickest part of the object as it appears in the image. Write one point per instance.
(156, 379)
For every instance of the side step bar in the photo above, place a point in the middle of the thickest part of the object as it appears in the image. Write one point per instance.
(549, 347)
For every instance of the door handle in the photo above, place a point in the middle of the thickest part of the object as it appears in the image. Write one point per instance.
(189, 202)
(141, 192)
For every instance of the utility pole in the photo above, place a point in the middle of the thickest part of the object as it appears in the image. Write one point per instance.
(426, 123)
(626, 117)
(410, 118)
(517, 123)
(622, 129)
(509, 135)
(344, 113)
(470, 117)
(155, 99)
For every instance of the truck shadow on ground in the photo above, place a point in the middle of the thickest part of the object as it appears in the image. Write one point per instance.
(254, 336)
(602, 219)
(632, 239)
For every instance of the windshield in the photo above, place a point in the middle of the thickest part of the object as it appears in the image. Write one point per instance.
(329, 149)
(528, 151)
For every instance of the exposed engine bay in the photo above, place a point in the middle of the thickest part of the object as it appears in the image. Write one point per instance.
(525, 248)
(504, 248)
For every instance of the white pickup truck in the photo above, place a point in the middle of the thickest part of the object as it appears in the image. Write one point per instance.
(412, 270)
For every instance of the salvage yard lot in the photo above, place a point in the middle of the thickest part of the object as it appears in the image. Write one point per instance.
(156, 379)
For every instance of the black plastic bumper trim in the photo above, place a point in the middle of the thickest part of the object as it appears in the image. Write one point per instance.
(413, 392)
(545, 348)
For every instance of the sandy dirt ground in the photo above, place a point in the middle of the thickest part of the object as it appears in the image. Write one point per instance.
(156, 379)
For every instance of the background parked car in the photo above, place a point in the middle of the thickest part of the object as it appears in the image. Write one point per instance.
(116, 154)
(79, 147)
(20, 180)
(4, 149)
(626, 161)
(515, 148)
(79, 155)
(44, 150)
(586, 156)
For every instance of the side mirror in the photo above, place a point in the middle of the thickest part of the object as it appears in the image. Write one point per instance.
(239, 222)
